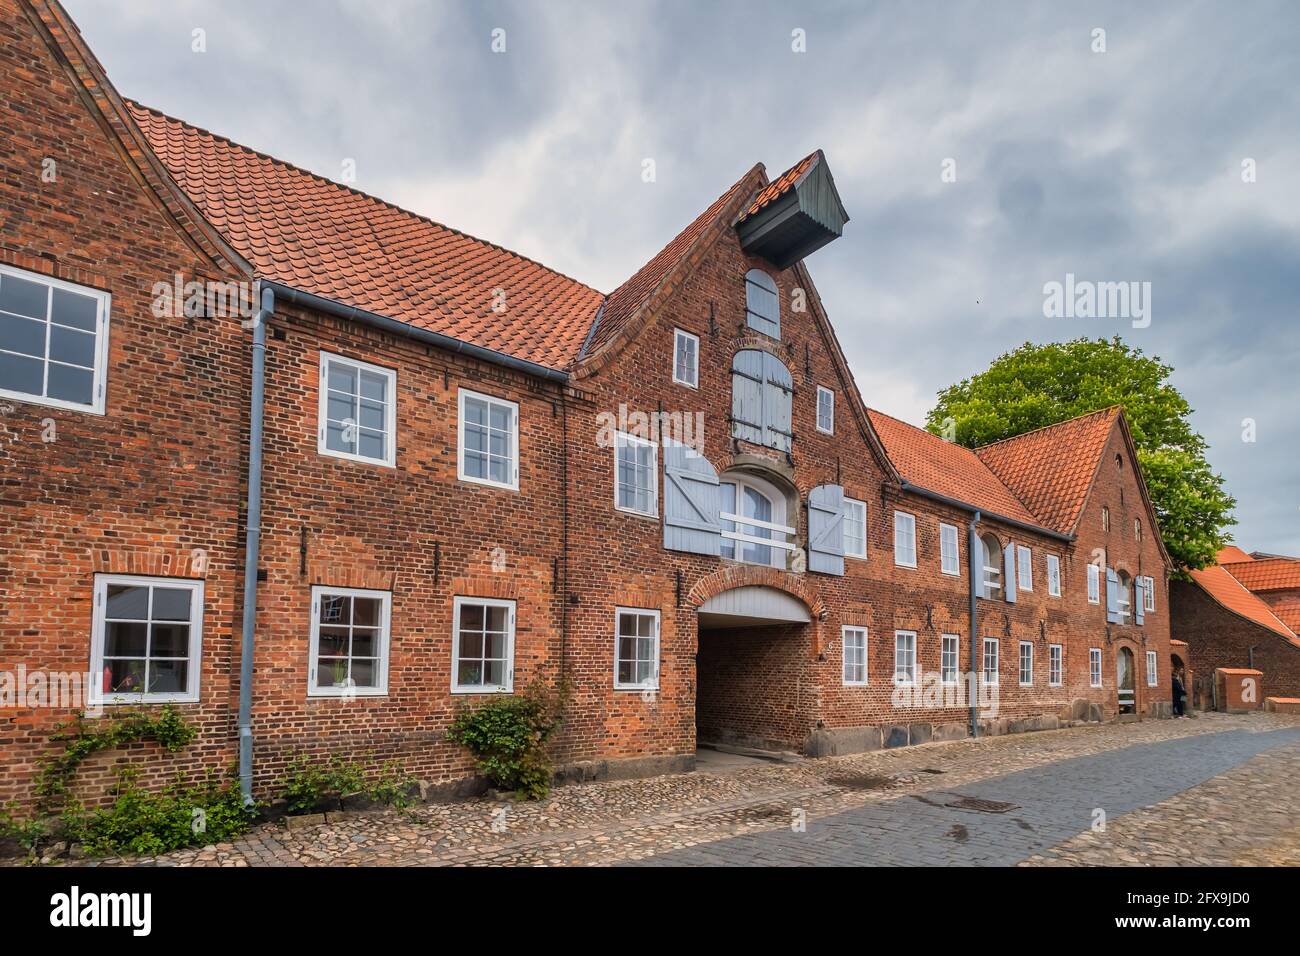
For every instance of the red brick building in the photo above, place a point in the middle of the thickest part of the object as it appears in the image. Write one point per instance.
(468, 472)
(1243, 612)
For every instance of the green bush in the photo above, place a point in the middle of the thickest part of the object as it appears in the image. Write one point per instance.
(309, 786)
(508, 736)
(149, 823)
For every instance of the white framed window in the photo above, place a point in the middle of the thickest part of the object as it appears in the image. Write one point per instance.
(482, 646)
(53, 341)
(358, 411)
(1125, 599)
(1137, 529)
(854, 641)
(1024, 568)
(904, 539)
(949, 555)
(1053, 575)
(855, 528)
(636, 475)
(825, 410)
(1149, 594)
(1026, 663)
(1152, 679)
(636, 649)
(349, 642)
(146, 639)
(1094, 667)
(753, 521)
(1054, 658)
(1105, 519)
(686, 358)
(991, 565)
(489, 441)
(949, 658)
(905, 657)
(991, 660)
(1094, 584)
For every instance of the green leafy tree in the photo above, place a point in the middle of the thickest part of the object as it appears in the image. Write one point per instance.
(1038, 385)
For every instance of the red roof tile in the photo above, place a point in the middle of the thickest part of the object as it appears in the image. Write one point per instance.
(782, 184)
(926, 460)
(1289, 614)
(1051, 469)
(1229, 592)
(1230, 553)
(627, 300)
(1268, 574)
(320, 237)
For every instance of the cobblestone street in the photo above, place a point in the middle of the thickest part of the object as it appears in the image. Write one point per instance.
(1214, 790)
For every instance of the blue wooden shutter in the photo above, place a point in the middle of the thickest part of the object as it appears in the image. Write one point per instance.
(747, 396)
(1112, 596)
(1139, 597)
(778, 398)
(692, 502)
(826, 529)
(1009, 573)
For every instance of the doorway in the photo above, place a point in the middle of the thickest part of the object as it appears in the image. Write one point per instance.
(1124, 681)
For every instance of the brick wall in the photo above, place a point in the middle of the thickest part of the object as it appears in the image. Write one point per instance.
(1216, 637)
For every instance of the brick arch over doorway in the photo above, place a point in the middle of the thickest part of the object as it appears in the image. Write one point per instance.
(738, 576)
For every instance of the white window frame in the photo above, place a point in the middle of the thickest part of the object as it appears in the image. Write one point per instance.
(1149, 595)
(1021, 664)
(457, 604)
(911, 518)
(1024, 568)
(830, 395)
(95, 693)
(622, 440)
(853, 631)
(1094, 584)
(653, 682)
(102, 315)
(860, 507)
(905, 658)
(944, 566)
(1055, 665)
(782, 541)
(1124, 602)
(1153, 679)
(1105, 519)
(1094, 667)
(680, 335)
(513, 484)
(1053, 576)
(996, 660)
(944, 651)
(314, 689)
(390, 416)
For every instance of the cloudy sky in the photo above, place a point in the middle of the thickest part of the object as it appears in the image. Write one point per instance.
(1114, 166)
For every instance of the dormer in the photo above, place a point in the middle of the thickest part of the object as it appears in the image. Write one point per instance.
(794, 215)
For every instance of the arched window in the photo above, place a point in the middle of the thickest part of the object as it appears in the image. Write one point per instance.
(991, 577)
(761, 393)
(753, 514)
(1124, 601)
(762, 304)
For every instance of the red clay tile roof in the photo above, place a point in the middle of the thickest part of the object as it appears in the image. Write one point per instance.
(926, 460)
(626, 301)
(782, 184)
(1289, 614)
(1051, 469)
(320, 237)
(1230, 553)
(1229, 592)
(1269, 574)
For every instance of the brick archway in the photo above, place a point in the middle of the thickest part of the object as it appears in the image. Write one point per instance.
(751, 575)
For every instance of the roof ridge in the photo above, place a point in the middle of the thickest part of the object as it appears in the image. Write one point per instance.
(1043, 428)
(356, 192)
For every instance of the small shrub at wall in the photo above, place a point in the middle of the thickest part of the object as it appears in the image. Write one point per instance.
(313, 785)
(508, 736)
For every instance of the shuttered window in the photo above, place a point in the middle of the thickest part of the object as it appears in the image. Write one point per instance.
(762, 304)
(761, 394)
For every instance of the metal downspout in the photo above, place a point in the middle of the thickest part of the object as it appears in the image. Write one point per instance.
(252, 544)
(972, 549)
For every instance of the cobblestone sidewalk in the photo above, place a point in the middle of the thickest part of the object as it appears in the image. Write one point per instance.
(1192, 791)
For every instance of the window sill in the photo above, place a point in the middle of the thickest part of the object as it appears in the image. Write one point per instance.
(485, 483)
(482, 690)
(24, 397)
(139, 700)
(325, 693)
(636, 688)
(356, 459)
(638, 514)
(856, 683)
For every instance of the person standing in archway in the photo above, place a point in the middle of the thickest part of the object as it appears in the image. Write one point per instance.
(1180, 693)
